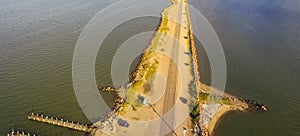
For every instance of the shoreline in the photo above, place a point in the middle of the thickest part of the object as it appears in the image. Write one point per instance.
(159, 50)
(217, 119)
(211, 113)
(201, 86)
(151, 62)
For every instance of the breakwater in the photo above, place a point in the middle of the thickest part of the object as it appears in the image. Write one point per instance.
(193, 52)
(119, 97)
(253, 105)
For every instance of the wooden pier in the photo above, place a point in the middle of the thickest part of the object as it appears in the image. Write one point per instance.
(61, 122)
(19, 133)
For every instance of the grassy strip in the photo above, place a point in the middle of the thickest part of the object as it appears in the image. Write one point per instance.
(192, 89)
(205, 97)
(195, 114)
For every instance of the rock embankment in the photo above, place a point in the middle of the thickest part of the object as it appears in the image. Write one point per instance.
(107, 89)
(119, 98)
(253, 105)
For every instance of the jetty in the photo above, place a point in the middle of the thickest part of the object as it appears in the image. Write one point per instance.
(61, 122)
(19, 133)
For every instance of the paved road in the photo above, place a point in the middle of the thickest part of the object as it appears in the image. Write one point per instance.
(169, 98)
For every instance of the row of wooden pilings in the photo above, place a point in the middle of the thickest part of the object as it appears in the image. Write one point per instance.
(19, 133)
(61, 122)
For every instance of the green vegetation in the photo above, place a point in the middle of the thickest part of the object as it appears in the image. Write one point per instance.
(164, 29)
(137, 85)
(150, 69)
(150, 72)
(131, 96)
(192, 89)
(225, 100)
(205, 97)
(189, 41)
(213, 99)
(202, 97)
(164, 24)
(192, 67)
(154, 44)
(195, 113)
(146, 66)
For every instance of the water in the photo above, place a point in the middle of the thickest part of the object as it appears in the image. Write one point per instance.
(260, 41)
(262, 48)
(37, 42)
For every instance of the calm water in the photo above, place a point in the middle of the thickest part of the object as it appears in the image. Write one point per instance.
(37, 40)
(37, 44)
(260, 40)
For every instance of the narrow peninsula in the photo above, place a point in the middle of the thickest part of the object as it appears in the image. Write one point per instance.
(165, 95)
